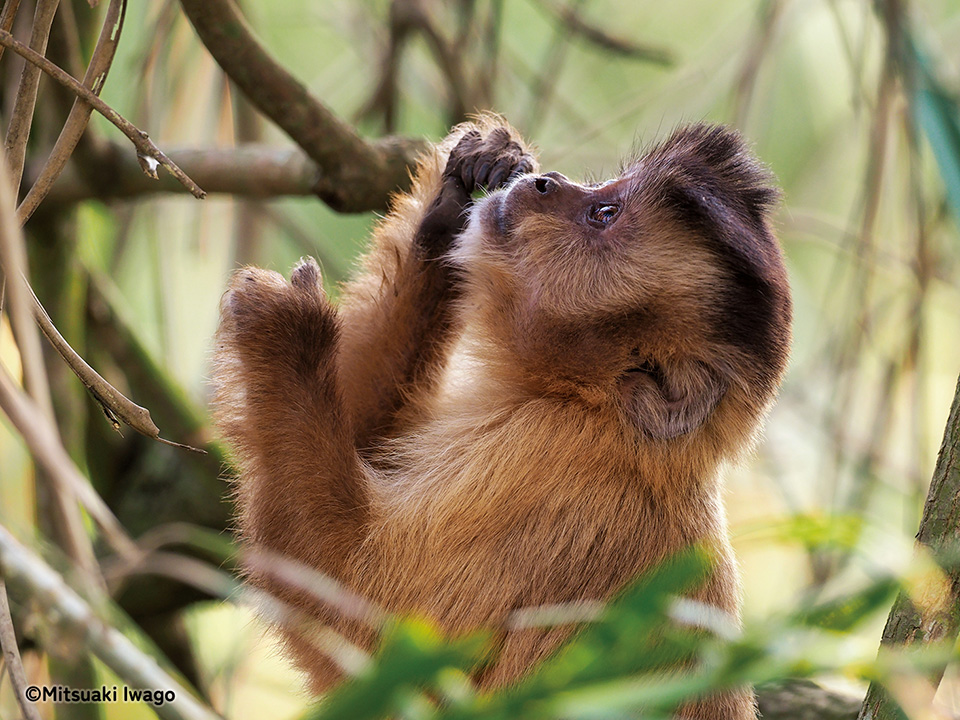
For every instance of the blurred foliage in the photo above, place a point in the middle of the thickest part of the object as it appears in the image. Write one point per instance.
(620, 664)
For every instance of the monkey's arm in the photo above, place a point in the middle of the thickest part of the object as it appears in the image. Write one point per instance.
(279, 403)
(398, 319)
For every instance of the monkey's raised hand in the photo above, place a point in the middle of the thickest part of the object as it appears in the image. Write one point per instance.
(475, 162)
(279, 327)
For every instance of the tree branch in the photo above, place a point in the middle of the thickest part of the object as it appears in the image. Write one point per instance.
(938, 619)
(150, 153)
(11, 656)
(7, 16)
(22, 568)
(76, 123)
(356, 175)
(115, 405)
(21, 120)
(576, 25)
(253, 171)
(66, 523)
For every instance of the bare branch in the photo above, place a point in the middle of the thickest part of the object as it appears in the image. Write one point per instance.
(570, 17)
(79, 115)
(348, 657)
(11, 656)
(356, 175)
(115, 405)
(18, 131)
(7, 17)
(252, 171)
(65, 523)
(383, 100)
(21, 567)
(150, 154)
(320, 586)
(771, 13)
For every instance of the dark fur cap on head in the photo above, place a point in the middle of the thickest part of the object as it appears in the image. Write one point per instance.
(707, 176)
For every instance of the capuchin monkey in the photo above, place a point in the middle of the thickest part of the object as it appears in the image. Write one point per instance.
(521, 400)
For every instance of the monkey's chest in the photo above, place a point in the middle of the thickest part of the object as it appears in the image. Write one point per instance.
(475, 560)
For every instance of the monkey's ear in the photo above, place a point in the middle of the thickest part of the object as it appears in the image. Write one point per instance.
(667, 400)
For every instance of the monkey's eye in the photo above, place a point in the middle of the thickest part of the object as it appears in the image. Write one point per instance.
(603, 215)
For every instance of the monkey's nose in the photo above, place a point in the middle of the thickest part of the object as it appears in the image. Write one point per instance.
(548, 183)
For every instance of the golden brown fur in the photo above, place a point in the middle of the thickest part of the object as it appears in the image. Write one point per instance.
(533, 412)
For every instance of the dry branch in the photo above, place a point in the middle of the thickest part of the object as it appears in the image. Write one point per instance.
(64, 517)
(356, 175)
(250, 171)
(76, 122)
(150, 154)
(7, 16)
(213, 581)
(48, 591)
(116, 406)
(576, 25)
(11, 657)
(21, 120)
(937, 619)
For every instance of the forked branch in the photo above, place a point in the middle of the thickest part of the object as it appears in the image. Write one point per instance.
(356, 175)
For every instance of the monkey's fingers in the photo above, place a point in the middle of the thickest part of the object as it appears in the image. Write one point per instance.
(487, 161)
(306, 276)
(526, 165)
(508, 167)
(444, 219)
(462, 157)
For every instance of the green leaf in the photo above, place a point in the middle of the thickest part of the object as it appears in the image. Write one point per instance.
(414, 656)
(844, 613)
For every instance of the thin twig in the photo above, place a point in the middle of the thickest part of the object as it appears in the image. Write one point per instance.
(489, 65)
(11, 657)
(771, 12)
(116, 406)
(63, 517)
(450, 63)
(148, 153)
(570, 16)
(320, 586)
(543, 88)
(7, 17)
(18, 131)
(383, 99)
(64, 47)
(249, 171)
(203, 576)
(48, 591)
(247, 235)
(76, 122)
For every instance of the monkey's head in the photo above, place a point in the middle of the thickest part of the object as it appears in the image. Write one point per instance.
(661, 292)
